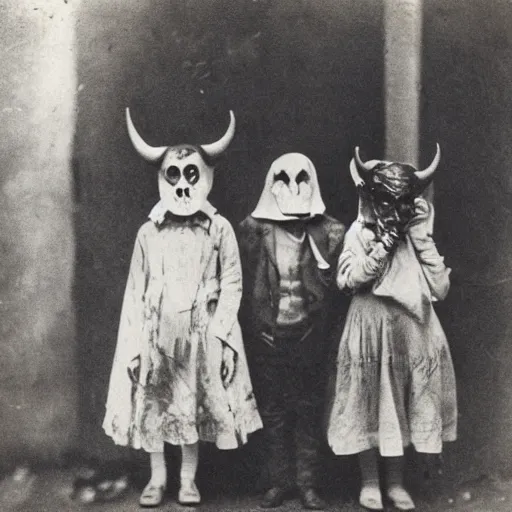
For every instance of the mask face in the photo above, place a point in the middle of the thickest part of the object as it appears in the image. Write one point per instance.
(184, 181)
(387, 190)
(393, 189)
(392, 213)
(292, 187)
(291, 190)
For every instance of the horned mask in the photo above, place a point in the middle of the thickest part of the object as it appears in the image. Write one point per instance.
(291, 190)
(185, 175)
(388, 189)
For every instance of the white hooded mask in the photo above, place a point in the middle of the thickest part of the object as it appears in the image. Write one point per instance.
(291, 190)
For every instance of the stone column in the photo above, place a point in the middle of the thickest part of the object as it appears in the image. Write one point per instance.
(402, 79)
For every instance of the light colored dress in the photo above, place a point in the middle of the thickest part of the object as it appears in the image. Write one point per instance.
(395, 382)
(181, 299)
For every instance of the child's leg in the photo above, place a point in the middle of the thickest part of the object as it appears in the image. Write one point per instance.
(370, 496)
(153, 493)
(189, 494)
(158, 469)
(189, 462)
(394, 468)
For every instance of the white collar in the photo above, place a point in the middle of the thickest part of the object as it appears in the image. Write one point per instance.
(159, 211)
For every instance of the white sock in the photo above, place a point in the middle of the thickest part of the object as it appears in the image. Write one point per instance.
(158, 469)
(189, 461)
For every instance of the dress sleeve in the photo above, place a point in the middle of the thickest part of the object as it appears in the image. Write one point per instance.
(361, 260)
(132, 312)
(120, 404)
(230, 279)
(432, 263)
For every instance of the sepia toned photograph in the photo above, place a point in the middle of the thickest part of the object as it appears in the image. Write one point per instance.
(256, 254)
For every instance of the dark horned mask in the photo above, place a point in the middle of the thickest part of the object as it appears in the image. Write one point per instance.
(391, 188)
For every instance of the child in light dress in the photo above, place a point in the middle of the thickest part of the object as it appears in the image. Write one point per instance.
(395, 383)
(179, 374)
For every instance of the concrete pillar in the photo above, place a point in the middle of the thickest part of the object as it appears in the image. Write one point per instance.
(38, 394)
(402, 80)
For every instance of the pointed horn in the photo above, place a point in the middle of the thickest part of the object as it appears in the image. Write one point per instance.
(427, 173)
(149, 153)
(217, 148)
(361, 166)
(356, 177)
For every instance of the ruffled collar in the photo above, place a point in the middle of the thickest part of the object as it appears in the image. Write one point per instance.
(160, 215)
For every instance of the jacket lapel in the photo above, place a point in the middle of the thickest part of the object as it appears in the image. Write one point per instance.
(319, 235)
(270, 243)
(314, 278)
(269, 237)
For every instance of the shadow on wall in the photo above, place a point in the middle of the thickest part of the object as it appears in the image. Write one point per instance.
(467, 72)
(300, 76)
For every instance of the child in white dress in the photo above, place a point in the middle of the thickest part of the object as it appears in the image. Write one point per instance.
(179, 374)
(395, 383)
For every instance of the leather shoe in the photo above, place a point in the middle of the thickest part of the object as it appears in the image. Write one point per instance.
(274, 497)
(311, 500)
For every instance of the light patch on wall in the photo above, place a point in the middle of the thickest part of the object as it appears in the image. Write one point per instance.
(37, 119)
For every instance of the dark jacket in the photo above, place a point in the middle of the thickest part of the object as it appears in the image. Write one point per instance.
(259, 309)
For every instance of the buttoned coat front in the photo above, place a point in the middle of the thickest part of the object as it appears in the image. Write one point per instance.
(261, 280)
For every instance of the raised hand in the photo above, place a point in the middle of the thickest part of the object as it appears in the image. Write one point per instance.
(389, 238)
(422, 212)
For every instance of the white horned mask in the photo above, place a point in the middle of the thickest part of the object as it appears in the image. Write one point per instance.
(185, 175)
(291, 190)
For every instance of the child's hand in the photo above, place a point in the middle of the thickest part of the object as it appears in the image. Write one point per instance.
(134, 370)
(421, 212)
(228, 366)
(389, 239)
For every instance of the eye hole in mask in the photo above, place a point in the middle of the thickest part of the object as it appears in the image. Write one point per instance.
(282, 176)
(303, 176)
(191, 173)
(172, 175)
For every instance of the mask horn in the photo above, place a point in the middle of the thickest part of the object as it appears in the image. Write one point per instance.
(147, 152)
(217, 148)
(359, 168)
(427, 173)
(356, 177)
(363, 167)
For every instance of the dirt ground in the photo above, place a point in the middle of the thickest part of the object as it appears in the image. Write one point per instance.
(53, 491)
